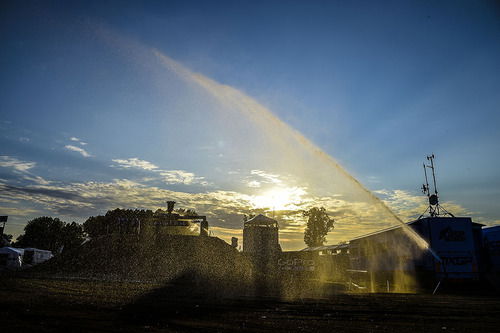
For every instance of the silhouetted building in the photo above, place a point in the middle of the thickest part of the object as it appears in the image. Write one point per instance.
(260, 236)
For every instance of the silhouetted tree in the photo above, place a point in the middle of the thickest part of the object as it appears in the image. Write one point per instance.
(95, 226)
(72, 235)
(317, 227)
(50, 233)
(126, 221)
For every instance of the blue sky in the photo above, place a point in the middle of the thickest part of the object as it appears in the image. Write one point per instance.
(102, 100)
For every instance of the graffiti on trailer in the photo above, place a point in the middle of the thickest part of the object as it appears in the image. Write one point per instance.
(173, 223)
(457, 261)
(494, 248)
(450, 235)
(296, 264)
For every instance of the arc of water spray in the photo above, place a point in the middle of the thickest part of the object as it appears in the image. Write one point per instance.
(255, 109)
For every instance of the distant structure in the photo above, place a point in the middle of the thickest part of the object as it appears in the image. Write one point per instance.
(174, 219)
(234, 242)
(15, 258)
(260, 236)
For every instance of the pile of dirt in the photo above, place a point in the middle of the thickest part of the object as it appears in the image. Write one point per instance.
(161, 258)
(203, 267)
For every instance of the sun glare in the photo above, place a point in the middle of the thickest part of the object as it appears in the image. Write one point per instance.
(279, 198)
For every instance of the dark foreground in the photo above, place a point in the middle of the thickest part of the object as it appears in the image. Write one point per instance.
(47, 305)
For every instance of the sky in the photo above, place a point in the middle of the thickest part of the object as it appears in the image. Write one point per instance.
(241, 107)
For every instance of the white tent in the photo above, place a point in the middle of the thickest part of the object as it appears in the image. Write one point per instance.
(11, 257)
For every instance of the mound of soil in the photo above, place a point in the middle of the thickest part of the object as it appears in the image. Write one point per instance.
(160, 258)
(202, 267)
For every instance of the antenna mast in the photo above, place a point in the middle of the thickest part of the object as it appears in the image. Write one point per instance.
(434, 208)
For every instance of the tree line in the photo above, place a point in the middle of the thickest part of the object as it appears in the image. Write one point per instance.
(49, 233)
(52, 234)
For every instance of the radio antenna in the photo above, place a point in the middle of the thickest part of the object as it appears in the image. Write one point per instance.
(434, 208)
(431, 158)
(425, 187)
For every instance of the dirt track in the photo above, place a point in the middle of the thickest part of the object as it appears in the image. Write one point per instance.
(45, 305)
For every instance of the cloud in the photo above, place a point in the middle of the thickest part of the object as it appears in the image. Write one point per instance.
(82, 151)
(14, 163)
(36, 179)
(267, 177)
(92, 198)
(179, 177)
(78, 140)
(13, 211)
(259, 177)
(253, 183)
(134, 162)
(167, 176)
(22, 168)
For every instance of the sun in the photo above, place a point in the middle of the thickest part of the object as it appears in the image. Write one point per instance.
(279, 198)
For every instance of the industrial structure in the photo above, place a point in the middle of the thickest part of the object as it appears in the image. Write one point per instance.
(158, 222)
(260, 235)
(174, 219)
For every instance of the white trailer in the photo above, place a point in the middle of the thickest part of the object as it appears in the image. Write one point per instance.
(34, 256)
(11, 258)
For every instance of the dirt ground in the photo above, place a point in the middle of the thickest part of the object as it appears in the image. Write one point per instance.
(75, 305)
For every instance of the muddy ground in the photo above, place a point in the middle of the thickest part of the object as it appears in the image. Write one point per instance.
(31, 304)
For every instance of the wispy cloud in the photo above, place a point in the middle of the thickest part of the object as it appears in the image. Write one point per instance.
(13, 211)
(267, 177)
(253, 183)
(134, 162)
(14, 163)
(80, 150)
(22, 169)
(181, 177)
(75, 139)
(167, 176)
(36, 179)
(258, 178)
